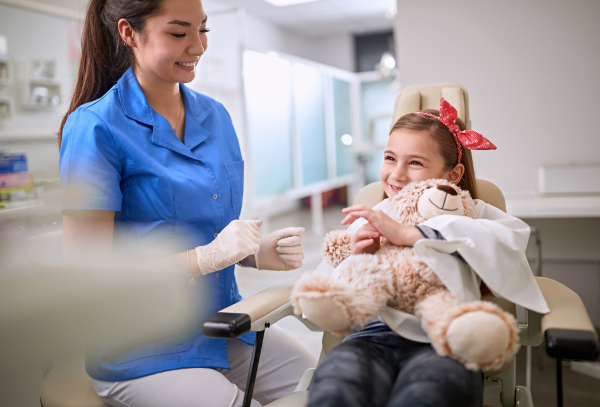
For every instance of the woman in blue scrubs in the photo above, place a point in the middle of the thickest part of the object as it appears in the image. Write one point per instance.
(152, 168)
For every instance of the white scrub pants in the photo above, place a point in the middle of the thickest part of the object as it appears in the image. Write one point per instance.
(282, 362)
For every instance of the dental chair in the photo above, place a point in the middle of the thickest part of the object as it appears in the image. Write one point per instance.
(568, 330)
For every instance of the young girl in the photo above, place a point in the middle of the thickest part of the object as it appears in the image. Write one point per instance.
(378, 366)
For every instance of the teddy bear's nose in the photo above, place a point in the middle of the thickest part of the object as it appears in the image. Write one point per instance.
(447, 189)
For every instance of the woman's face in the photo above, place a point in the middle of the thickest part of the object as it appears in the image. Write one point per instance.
(172, 42)
(411, 156)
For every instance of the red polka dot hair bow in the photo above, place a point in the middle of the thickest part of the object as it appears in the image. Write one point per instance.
(467, 138)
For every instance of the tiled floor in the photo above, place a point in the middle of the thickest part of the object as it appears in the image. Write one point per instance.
(579, 390)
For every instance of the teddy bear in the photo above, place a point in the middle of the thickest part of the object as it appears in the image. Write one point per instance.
(479, 334)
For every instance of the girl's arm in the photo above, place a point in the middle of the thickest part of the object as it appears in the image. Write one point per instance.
(396, 233)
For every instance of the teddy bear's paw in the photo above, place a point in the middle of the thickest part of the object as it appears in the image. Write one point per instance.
(326, 313)
(316, 285)
(336, 247)
(482, 339)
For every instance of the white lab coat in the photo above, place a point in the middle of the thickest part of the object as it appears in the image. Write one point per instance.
(493, 247)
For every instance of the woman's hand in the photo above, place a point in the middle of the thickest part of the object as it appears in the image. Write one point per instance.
(236, 241)
(365, 240)
(281, 250)
(396, 233)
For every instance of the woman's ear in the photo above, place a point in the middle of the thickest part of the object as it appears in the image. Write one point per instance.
(127, 33)
(456, 174)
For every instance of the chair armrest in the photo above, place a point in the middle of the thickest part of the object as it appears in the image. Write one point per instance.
(568, 329)
(253, 313)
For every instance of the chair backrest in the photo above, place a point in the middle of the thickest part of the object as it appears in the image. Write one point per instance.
(421, 97)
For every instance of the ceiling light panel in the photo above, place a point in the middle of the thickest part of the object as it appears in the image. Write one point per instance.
(284, 3)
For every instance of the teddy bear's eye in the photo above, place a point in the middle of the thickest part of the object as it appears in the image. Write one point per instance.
(427, 187)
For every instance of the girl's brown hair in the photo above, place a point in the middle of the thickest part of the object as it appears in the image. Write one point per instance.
(104, 55)
(446, 142)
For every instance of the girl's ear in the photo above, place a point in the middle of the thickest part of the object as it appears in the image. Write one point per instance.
(456, 174)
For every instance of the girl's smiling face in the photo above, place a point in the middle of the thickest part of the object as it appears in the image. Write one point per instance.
(413, 156)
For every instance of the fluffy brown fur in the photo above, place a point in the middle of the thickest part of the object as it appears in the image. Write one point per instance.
(395, 277)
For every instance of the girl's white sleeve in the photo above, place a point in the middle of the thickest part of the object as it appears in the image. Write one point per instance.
(493, 246)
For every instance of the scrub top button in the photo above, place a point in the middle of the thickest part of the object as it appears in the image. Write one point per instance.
(217, 275)
(216, 234)
(215, 196)
(197, 162)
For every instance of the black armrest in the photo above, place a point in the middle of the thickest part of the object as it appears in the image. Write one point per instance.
(572, 344)
(226, 325)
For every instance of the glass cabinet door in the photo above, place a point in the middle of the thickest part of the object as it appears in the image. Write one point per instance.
(343, 127)
(309, 120)
(268, 94)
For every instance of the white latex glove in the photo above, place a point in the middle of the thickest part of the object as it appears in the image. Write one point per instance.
(281, 250)
(237, 241)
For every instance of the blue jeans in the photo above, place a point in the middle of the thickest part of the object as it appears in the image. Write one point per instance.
(385, 369)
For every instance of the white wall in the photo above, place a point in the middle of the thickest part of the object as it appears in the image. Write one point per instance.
(336, 50)
(531, 69)
(532, 72)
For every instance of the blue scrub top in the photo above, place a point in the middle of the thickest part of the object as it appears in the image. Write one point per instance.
(118, 154)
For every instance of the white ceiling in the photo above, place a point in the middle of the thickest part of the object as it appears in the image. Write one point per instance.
(316, 19)
(323, 17)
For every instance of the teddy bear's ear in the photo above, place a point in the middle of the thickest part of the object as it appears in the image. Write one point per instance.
(468, 204)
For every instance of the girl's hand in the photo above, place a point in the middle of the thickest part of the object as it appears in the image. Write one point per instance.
(365, 240)
(396, 233)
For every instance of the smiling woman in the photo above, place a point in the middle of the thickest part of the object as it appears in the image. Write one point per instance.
(153, 169)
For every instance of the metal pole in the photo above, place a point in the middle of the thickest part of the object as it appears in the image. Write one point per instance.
(559, 388)
(528, 369)
(316, 207)
(538, 251)
(537, 271)
(253, 368)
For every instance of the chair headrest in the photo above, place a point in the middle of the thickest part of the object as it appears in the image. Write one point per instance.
(421, 97)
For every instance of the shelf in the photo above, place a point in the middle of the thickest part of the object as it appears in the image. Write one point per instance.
(27, 135)
(44, 82)
(33, 209)
(555, 207)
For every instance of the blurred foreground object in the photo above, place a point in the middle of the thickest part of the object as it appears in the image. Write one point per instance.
(50, 309)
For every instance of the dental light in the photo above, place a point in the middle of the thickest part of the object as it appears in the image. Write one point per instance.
(386, 68)
(347, 139)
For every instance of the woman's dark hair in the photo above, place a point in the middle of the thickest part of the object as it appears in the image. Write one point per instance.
(104, 56)
(446, 142)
